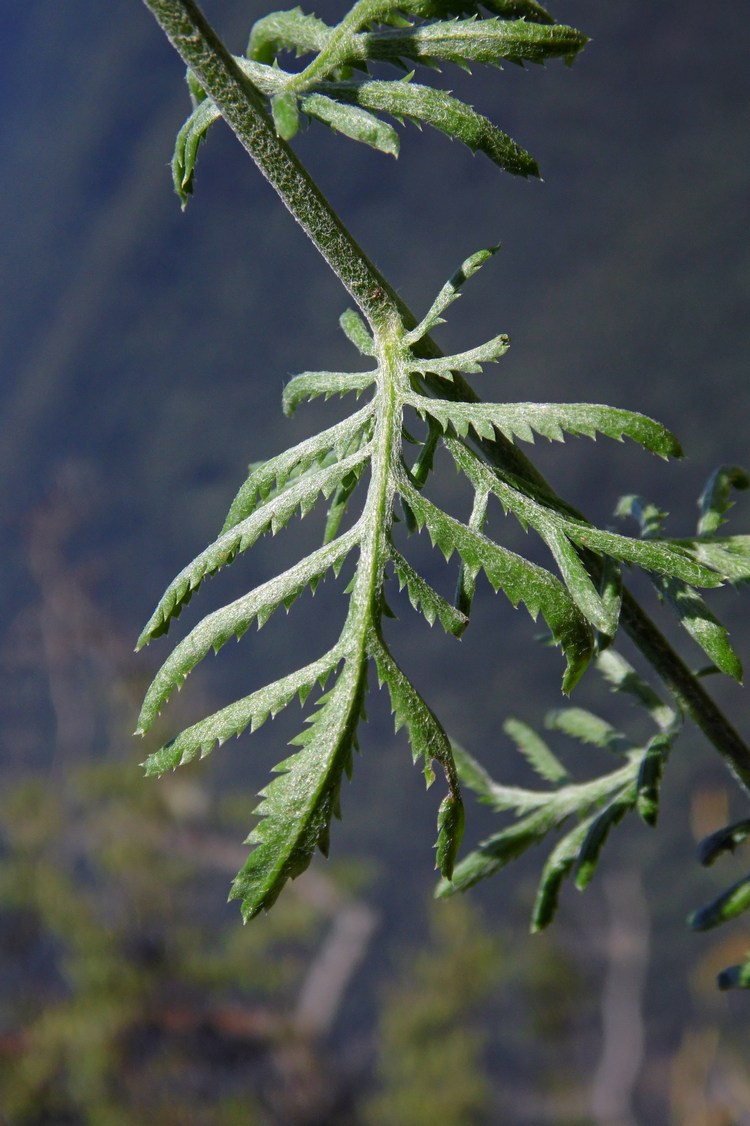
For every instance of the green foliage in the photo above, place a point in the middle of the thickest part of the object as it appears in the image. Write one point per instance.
(384, 31)
(599, 804)
(298, 806)
(595, 806)
(367, 462)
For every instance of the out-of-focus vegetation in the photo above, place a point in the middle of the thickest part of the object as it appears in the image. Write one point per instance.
(89, 347)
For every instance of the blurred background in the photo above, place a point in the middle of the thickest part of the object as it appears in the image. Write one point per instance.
(143, 355)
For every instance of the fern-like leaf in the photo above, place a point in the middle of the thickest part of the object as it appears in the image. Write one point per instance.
(377, 32)
(364, 454)
(598, 805)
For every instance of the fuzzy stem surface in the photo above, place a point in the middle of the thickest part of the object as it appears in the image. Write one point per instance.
(242, 107)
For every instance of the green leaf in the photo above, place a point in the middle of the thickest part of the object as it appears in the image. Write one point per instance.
(472, 773)
(650, 517)
(449, 293)
(466, 579)
(286, 31)
(610, 592)
(580, 584)
(552, 420)
(285, 113)
(311, 384)
(731, 903)
(536, 752)
(558, 867)
(723, 840)
(694, 615)
(665, 556)
(269, 477)
(507, 9)
(650, 774)
(252, 711)
(357, 332)
(428, 741)
(424, 598)
(273, 515)
(702, 625)
(426, 735)
(340, 503)
(557, 531)
(353, 122)
(728, 556)
(451, 818)
(497, 852)
(735, 977)
(485, 41)
(442, 112)
(597, 834)
(714, 502)
(297, 807)
(469, 362)
(520, 580)
(234, 620)
(186, 147)
(623, 678)
(578, 723)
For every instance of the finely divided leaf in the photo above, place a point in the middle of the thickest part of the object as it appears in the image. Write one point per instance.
(731, 903)
(702, 625)
(451, 819)
(297, 807)
(578, 723)
(579, 582)
(597, 834)
(669, 557)
(559, 865)
(285, 112)
(650, 773)
(529, 10)
(623, 678)
(729, 556)
(286, 31)
(357, 332)
(426, 735)
(723, 840)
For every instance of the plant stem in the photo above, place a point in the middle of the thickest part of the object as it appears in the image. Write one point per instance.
(242, 107)
(202, 50)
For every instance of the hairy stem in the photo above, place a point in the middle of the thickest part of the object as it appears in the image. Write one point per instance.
(241, 106)
(202, 50)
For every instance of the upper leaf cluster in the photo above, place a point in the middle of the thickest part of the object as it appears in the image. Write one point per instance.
(338, 89)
